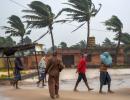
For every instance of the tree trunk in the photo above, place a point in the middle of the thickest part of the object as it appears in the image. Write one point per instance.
(22, 44)
(52, 39)
(118, 47)
(22, 40)
(88, 34)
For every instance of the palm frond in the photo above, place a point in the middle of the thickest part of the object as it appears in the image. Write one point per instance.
(69, 10)
(41, 8)
(10, 31)
(33, 12)
(95, 11)
(114, 24)
(61, 21)
(33, 17)
(80, 10)
(37, 24)
(81, 5)
(7, 28)
(15, 22)
(28, 32)
(41, 15)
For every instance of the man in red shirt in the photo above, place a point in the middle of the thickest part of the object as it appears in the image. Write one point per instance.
(81, 69)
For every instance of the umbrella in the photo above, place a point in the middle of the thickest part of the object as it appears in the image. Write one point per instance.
(106, 58)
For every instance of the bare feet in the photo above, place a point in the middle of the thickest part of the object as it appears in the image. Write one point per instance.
(57, 96)
(90, 89)
(75, 90)
(101, 92)
(44, 84)
(52, 97)
(109, 91)
(18, 88)
(37, 84)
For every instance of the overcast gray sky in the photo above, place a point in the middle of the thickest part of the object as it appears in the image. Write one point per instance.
(62, 32)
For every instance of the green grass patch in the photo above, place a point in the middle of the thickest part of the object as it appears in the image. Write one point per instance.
(5, 69)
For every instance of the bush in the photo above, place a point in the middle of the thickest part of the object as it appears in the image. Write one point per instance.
(121, 66)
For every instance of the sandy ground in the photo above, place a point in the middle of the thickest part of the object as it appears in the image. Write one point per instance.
(42, 94)
(29, 91)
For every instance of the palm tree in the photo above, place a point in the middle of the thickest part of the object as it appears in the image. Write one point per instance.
(114, 24)
(108, 43)
(63, 45)
(81, 11)
(40, 16)
(16, 27)
(125, 38)
(80, 45)
(7, 42)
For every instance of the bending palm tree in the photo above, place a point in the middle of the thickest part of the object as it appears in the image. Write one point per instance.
(125, 38)
(16, 27)
(114, 24)
(81, 11)
(40, 16)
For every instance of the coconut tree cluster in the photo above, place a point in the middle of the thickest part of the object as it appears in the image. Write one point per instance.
(40, 15)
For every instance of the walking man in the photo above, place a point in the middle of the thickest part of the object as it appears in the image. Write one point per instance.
(42, 66)
(81, 69)
(17, 75)
(53, 68)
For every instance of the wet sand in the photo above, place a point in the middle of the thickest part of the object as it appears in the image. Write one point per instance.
(42, 94)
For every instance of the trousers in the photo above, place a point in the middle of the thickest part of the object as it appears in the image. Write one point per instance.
(53, 83)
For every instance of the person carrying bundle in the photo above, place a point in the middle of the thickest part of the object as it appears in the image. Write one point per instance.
(105, 79)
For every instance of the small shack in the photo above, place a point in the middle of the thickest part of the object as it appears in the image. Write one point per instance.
(30, 55)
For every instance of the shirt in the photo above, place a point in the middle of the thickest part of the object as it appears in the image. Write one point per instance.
(53, 67)
(82, 65)
(42, 66)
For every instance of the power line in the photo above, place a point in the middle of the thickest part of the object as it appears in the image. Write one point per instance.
(18, 4)
(90, 29)
(93, 29)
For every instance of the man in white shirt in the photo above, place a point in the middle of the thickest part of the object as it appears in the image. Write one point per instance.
(42, 66)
